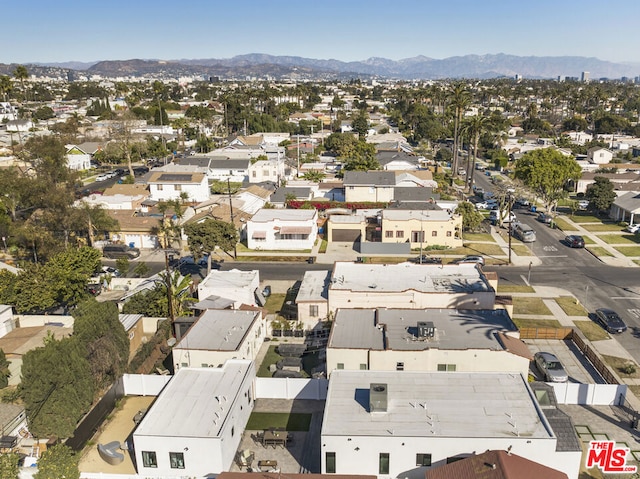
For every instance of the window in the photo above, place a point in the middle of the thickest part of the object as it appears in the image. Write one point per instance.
(446, 367)
(176, 460)
(132, 335)
(265, 172)
(159, 187)
(253, 173)
(363, 366)
(330, 462)
(434, 233)
(388, 234)
(455, 458)
(423, 459)
(340, 366)
(399, 234)
(372, 190)
(313, 310)
(149, 459)
(417, 236)
(383, 463)
(178, 188)
(233, 429)
(184, 365)
(449, 234)
(399, 366)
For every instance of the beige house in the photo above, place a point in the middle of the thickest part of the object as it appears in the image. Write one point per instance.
(369, 186)
(426, 340)
(421, 228)
(312, 300)
(599, 156)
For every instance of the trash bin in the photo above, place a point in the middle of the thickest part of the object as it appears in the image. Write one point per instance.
(534, 209)
(634, 423)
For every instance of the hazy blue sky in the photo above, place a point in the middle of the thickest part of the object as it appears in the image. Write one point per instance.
(88, 30)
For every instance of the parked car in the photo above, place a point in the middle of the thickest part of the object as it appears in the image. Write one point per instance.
(477, 259)
(103, 177)
(486, 205)
(266, 292)
(550, 367)
(426, 259)
(94, 289)
(544, 218)
(633, 228)
(115, 251)
(583, 204)
(111, 270)
(574, 241)
(610, 320)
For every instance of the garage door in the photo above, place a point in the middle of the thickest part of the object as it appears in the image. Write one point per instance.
(345, 235)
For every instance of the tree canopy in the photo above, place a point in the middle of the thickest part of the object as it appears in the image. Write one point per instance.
(205, 236)
(58, 462)
(600, 194)
(471, 217)
(547, 172)
(360, 156)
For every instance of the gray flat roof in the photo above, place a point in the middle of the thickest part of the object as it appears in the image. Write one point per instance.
(267, 215)
(195, 402)
(420, 215)
(218, 330)
(314, 286)
(434, 404)
(464, 329)
(428, 278)
(229, 279)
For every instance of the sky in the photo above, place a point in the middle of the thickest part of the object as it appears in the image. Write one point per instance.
(349, 30)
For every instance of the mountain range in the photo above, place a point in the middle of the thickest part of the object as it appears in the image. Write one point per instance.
(416, 68)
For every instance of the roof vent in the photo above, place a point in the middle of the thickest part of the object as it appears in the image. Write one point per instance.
(377, 397)
(426, 329)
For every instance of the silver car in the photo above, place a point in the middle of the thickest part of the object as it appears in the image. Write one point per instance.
(550, 367)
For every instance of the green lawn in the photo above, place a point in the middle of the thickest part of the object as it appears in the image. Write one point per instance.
(564, 225)
(478, 237)
(515, 288)
(596, 228)
(477, 248)
(599, 251)
(289, 422)
(536, 323)
(585, 217)
(629, 250)
(272, 259)
(570, 306)
(274, 302)
(620, 239)
(521, 250)
(591, 330)
(618, 365)
(526, 305)
(270, 358)
(323, 246)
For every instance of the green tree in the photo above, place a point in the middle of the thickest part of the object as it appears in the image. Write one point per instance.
(44, 113)
(360, 157)
(4, 372)
(58, 462)
(9, 466)
(151, 303)
(177, 289)
(339, 142)
(98, 329)
(547, 172)
(314, 175)
(204, 237)
(6, 86)
(360, 123)
(460, 99)
(122, 264)
(57, 388)
(21, 74)
(471, 217)
(141, 270)
(7, 287)
(600, 194)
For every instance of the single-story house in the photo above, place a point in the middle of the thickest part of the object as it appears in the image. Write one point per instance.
(282, 229)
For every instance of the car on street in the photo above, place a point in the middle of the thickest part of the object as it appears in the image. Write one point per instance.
(544, 218)
(550, 367)
(486, 205)
(610, 320)
(583, 204)
(574, 241)
(103, 177)
(477, 259)
(633, 228)
(426, 259)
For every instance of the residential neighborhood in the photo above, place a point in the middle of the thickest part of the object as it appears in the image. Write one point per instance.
(368, 277)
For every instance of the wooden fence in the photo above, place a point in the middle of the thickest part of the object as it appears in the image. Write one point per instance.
(546, 333)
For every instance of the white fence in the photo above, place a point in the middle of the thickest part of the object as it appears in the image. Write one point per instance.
(291, 388)
(589, 394)
(30, 320)
(144, 384)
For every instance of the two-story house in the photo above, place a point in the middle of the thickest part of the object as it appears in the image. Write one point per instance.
(170, 186)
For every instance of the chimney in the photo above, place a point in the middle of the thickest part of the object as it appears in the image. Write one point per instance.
(377, 397)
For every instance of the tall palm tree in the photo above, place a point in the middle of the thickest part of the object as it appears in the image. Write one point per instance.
(178, 291)
(21, 74)
(474, 127)
(6, 85)
(460, 100)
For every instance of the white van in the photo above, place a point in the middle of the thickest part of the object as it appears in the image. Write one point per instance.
(524, 233)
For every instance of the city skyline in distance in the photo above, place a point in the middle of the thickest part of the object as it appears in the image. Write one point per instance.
(42, 32)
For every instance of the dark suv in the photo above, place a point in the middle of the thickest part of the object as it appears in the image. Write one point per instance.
(115, 251)
(574, 241)
(610, 320)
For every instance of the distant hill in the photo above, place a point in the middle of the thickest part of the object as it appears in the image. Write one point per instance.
(420, 67)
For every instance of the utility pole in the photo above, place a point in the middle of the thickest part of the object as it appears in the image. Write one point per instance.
(235, 248)
(510, 224)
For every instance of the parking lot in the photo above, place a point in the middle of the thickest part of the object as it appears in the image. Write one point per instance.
(579, 369)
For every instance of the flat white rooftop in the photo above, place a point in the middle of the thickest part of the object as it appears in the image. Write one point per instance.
(232, 279)
(219, 330)
(427, 278)
(314, 286)
(196, 401)
(434, 404)
(279, 214)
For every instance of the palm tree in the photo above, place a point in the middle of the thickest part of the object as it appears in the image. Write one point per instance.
(178, 291)
(21, 74)
(6, 85)
(460, 100)
(474, 127)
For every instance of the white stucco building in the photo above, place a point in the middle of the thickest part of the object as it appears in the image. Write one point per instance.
(282, 229)
(170, 186)
(399, 424)
(312, 299)
(235, 286)
(426, 340)
(194, 427)
(219, 335)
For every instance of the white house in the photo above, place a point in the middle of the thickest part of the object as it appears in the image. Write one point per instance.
(274, 170)
(194, 427)
(282, 229)
(312, 300)
(77, 159)
(170, 186)
(599, 156)
(223, 169)
(409, 285)
(426, 340)
(7, 322)
(401, 423)
(235, 286)
(219, 335)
